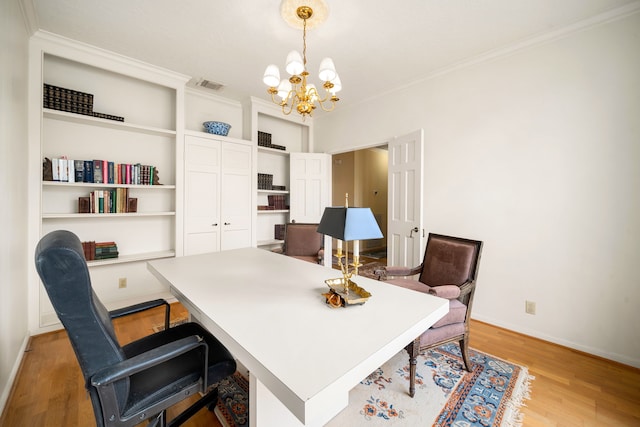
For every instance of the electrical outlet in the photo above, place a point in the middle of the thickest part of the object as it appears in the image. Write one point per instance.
(530, 307)
(122, 282)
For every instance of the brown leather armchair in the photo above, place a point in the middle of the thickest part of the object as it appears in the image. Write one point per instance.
(449, 270)
(303, 241)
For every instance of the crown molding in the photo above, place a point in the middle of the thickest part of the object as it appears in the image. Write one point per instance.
(29, 15)
(513, 48)
(58, 45)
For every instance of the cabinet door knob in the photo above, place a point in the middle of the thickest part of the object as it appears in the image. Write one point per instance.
(227, 223)
(214, 225)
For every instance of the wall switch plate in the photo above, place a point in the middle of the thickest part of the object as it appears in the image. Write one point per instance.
(530, 307)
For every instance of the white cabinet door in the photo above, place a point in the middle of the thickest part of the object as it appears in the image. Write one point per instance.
(217, 195)
(310, 183)
(202, 199)
(235, 205)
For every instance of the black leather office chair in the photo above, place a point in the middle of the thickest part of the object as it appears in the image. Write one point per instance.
(139, 381)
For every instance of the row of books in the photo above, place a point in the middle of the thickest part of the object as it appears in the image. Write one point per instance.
(72, 101)
(99, 250)
(101, 172)
(264, 140)
(265, 181)
(116, 200)
(277, 202)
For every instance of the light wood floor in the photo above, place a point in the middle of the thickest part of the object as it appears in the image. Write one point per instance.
(570, 388)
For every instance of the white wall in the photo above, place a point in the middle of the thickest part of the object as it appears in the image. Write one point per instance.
(13, 227)
(537, 154)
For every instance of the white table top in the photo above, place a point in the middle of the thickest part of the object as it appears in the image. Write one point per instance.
(267, 309)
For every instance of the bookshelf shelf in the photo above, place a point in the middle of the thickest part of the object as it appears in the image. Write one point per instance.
(262, 212)
(132, 258)
(103, 215)
(273, 191)
(109, 124)
(274, 151)
(102, 185)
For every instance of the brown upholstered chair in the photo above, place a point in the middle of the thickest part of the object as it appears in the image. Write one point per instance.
(449, 270)
(303, 241)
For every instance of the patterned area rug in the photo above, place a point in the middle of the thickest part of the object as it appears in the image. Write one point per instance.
(446, 394)
(232, 409)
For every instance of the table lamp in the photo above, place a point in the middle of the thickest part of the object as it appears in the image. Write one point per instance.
(349, 224)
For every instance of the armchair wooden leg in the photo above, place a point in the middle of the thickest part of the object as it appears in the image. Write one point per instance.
(464, 349)
(413, 349)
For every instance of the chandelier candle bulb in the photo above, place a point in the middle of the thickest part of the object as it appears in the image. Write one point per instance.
(271, 75)
(294, 63)
(327, 70)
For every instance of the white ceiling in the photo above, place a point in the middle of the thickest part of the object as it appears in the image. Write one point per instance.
(376, 45)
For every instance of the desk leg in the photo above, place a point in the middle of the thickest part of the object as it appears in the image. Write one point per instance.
(265, 409)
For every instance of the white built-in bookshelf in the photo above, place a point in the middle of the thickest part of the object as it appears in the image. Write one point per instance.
(151, 101)
(287, 131)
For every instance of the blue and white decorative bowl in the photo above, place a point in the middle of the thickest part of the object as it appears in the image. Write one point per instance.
(217, 128)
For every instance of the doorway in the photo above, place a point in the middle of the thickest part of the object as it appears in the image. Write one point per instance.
(363, 175)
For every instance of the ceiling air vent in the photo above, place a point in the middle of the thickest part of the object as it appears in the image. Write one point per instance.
(208, 84)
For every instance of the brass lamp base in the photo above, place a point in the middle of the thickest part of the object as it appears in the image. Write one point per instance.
(340, 295)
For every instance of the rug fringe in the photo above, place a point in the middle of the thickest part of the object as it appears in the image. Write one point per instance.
(513, 417)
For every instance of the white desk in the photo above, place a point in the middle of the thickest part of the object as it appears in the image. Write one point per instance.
(267, 309)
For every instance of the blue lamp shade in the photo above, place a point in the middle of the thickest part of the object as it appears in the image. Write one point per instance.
(349, 224)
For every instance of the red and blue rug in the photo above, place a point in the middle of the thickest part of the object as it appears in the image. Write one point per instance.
(446, 394)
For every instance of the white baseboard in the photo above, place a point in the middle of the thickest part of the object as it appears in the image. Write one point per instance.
(635, 362)
(13, 374)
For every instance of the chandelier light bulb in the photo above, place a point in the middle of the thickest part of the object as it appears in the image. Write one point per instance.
(327, 70)
(337, 85)
(295, 65)
(284, 88)
(271, 76)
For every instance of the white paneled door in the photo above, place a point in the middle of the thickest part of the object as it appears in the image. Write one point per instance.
(310, 183)
(405, 232)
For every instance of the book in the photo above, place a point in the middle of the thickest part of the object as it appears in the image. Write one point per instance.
(97, 172)
(63, 169)
(78, 167)
(87, 171)
(55, 169)
(71, 171)
(111, 173)
(105, 172)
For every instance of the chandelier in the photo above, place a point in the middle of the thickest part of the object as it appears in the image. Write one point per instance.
(294, 92)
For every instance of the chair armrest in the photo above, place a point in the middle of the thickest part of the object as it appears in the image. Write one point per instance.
(147, 305)
(114, 314)
(402, 271)
(148, 359)
(466, 288)
(445, 291)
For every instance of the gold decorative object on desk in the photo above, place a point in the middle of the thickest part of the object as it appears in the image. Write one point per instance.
(348, 224)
